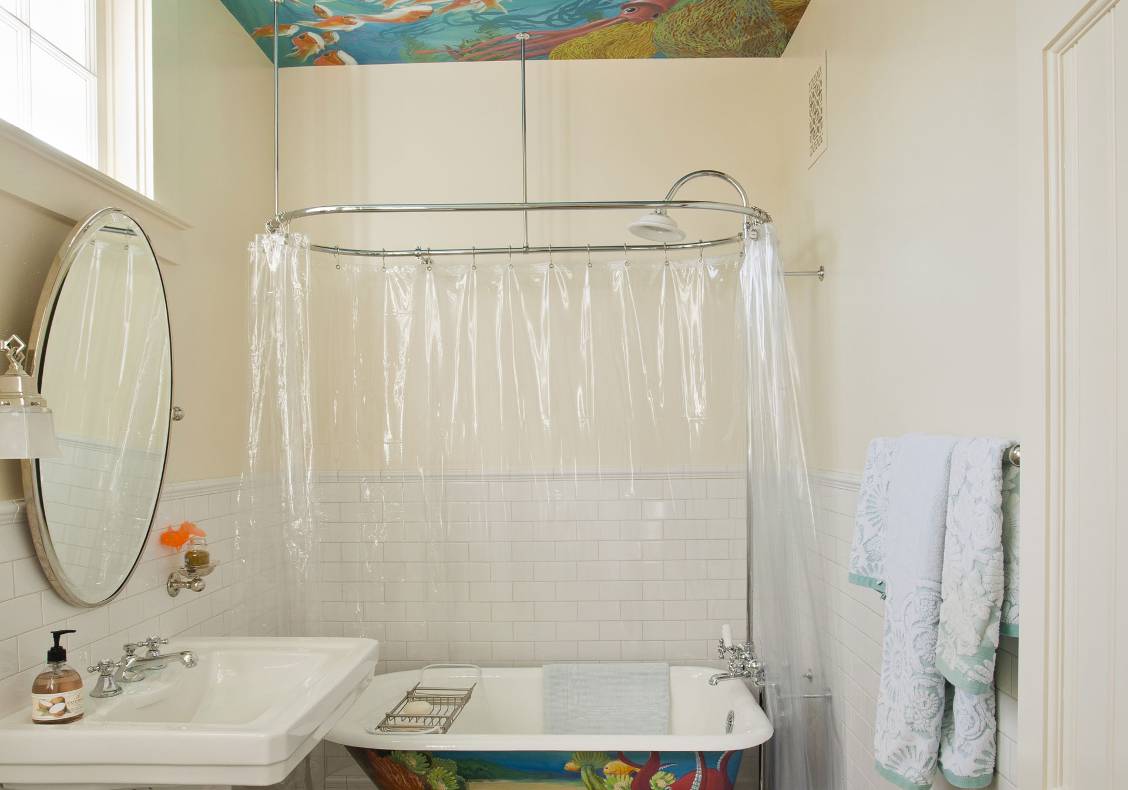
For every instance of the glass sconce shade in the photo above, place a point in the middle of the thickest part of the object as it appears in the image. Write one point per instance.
(27, 432)
(27, 427)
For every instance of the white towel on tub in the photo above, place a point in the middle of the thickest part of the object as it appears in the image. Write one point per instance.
(607, 699)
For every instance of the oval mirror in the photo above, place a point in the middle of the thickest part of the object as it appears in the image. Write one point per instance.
(102, 356)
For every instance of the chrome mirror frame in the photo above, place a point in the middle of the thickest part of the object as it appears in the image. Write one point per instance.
(65, 258)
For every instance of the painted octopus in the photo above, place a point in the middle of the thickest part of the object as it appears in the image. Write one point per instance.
(541, 42)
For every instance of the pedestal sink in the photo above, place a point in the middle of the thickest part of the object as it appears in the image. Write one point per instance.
(247, 714)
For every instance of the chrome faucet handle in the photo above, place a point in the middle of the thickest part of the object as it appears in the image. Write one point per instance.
(742, 663)
(154, 644)
(106, 685)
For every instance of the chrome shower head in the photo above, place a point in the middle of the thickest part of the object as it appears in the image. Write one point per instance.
(657, 226)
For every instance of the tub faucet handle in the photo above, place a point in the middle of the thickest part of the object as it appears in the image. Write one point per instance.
(743, 663)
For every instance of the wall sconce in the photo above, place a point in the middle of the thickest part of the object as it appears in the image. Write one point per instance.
(27, 427)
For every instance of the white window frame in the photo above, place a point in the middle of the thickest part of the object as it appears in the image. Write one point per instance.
(120, 107)
(125, 91)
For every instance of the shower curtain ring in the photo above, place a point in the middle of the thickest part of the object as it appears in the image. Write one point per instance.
(589, 255)
(337, 254)
(383, 259)
(473, 258)
(626, 255)
(666, 251)
(510, 255)
(551, 264)
(701, 251)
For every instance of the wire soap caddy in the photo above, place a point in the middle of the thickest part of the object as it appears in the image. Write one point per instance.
(427, 709)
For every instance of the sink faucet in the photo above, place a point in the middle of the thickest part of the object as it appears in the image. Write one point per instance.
(132, 668)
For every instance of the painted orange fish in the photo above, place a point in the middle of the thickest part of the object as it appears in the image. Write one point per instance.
(340, 22)
(322, 10)
(305, 45)
(401, 16)
(331, 38)
(476, 5)
(336, 57)
(268, 30)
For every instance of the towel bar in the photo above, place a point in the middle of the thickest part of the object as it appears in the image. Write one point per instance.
(1013, 455)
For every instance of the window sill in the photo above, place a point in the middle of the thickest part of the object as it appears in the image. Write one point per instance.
(62, 185)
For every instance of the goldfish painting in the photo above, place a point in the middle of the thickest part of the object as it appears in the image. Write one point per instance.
(478, 5)
(335, 57)
(305, 45)
(268, 31)
(415, 31)
(335, 23)
(403, 15)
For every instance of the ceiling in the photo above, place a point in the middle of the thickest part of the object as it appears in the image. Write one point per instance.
(351, 32)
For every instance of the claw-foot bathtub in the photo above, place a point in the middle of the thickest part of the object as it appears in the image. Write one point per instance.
(499, 737)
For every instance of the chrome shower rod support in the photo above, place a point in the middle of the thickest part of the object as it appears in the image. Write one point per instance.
(756, 215)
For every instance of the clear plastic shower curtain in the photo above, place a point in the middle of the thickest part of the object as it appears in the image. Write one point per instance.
(514, 461)
(788, 621)
(276, 534)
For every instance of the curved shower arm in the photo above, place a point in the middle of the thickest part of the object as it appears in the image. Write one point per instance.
(696, 174)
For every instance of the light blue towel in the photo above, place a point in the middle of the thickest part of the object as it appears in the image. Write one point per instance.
(934, 517)
(1011, 501)
(606, 699)
(911, 699)
(971, 610)
(867, 555)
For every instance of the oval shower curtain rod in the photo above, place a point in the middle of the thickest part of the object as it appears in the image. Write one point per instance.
(753, 217)
(657, 222)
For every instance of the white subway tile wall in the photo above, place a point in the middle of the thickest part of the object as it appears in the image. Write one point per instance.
(856, 618)
(516, 569)
(30, 610)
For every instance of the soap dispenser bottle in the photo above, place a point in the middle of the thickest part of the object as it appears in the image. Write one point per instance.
(56, 695)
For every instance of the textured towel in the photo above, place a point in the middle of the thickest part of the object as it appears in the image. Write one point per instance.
(973, 565)
(867, 556)
(606, 699)
(971, 611)
(1011, 499)
(911, 699)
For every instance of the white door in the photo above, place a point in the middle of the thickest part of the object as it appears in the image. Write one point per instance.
(1073, 663)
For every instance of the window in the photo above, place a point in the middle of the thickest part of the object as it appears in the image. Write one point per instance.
(76, 74)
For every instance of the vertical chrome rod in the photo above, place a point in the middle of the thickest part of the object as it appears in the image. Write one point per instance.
(523, 38)
(277, 154)
(749, 537)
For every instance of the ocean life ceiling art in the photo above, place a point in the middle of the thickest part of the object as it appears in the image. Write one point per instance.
(351, 32)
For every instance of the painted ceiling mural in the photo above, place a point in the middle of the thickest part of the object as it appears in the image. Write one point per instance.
(349, 32)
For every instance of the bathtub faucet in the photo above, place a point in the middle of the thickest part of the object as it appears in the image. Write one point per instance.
(742, 663)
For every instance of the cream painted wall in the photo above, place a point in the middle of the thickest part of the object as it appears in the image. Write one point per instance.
(213, 101)
(912, 211)
(597, 130)
(29, 239)
(212, 171)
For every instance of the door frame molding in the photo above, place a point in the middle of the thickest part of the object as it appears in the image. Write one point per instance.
(1046, 33)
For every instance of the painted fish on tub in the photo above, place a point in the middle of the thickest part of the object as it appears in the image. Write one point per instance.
(396, 770)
